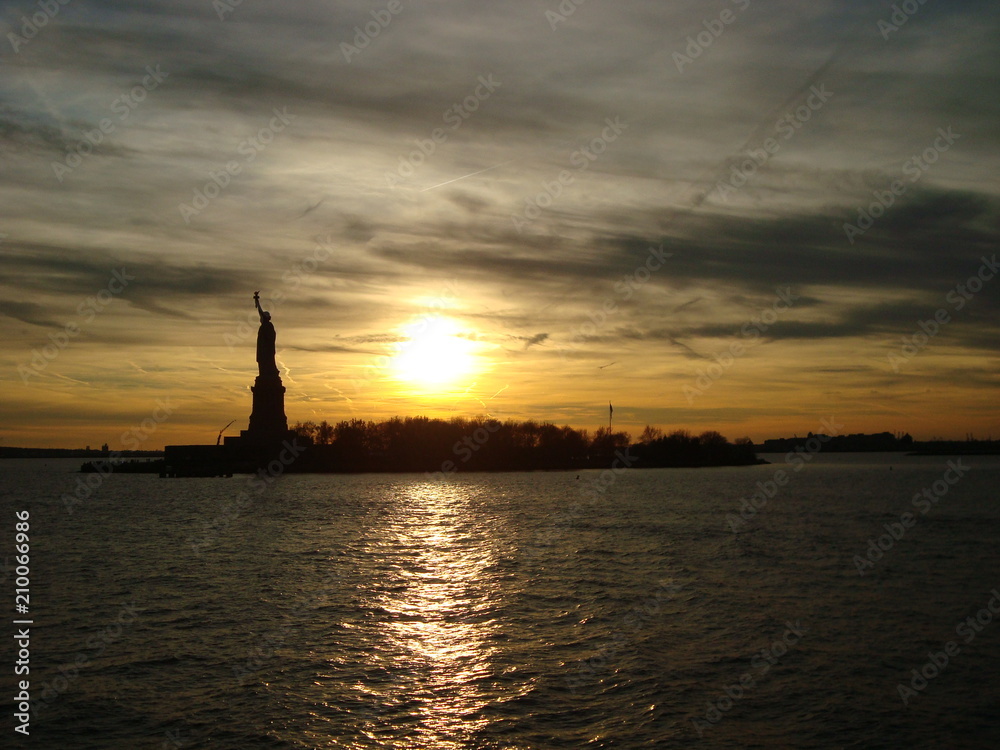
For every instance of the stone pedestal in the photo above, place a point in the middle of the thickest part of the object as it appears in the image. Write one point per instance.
(267, 420)
(262, 445)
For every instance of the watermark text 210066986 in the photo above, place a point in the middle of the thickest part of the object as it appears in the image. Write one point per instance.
(22, 636)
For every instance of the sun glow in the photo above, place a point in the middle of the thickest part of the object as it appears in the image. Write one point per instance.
(434, 354)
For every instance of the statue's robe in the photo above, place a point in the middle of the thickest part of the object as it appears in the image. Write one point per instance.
(265, 349)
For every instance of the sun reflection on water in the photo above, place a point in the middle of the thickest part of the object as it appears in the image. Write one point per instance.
(436, 608)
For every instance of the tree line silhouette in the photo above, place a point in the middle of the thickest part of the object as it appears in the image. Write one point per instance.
(423, 444)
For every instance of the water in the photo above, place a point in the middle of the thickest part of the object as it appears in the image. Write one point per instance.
(509, 611)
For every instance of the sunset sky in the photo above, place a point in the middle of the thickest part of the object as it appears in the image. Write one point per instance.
(518, 208)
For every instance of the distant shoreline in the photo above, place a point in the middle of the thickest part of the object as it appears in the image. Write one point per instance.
(8, 452)
(915, 448)
(935, 448)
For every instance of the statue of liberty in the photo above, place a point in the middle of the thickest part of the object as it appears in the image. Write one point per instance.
(265, 341)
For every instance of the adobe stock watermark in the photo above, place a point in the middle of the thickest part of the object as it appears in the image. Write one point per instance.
(580, 159)
(750, 332)
(123, 106)
(591, 494)
(625, 288)
(380, 364)
(915, 167)
(957, 297)
(936, 663)
(291, 280)
(796, 461)
(639, 615)
(173, 739)
(786, 126)
(176, 736)
(132, 439)
(455, 116)
(565, 9)
(256, 484)
(922, 501)
(714, 27)
(31, 26)
(224, 8)
(901, 13)
(266, 645)
(381, 19)
(760, 664)
(86, 312)
(96, 645)
(220, 179)
(464, 448)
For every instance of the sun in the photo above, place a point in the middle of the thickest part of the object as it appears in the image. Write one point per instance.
(433, 354)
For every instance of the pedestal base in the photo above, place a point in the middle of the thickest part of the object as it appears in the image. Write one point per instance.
(267, 420)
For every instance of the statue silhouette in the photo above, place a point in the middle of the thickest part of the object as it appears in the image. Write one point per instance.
(265, 340)
(268, 423)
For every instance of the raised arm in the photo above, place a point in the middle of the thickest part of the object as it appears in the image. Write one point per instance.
(256, 302)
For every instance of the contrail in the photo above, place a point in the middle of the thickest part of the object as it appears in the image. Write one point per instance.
(441, 184)
(687, 304)
(311, 208)
(767, 122)
(687, 348)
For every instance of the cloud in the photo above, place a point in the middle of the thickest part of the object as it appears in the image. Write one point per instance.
(530, 341)
(27, 312)
(322, 182)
